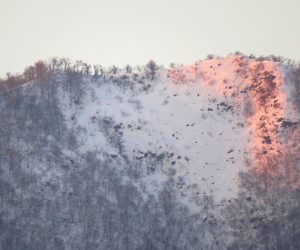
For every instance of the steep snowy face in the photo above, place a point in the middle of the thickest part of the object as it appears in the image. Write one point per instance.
(259, 89)
(199, 134)
(204, 156)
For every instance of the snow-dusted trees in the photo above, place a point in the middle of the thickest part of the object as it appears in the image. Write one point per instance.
(264, 216)
(53, 196)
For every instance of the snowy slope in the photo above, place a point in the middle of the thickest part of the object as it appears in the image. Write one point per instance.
(198, 114)
(200, 156)
(204, 132)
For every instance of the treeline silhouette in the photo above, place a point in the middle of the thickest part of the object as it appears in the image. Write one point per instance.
(272, 58)
(42, 69)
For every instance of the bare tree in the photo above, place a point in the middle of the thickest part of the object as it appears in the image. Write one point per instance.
(151, 68)
(29, 73)
(128, 69)
(65, 63)
(40, 69)
(52, 65)
(86, 68)
(114, 69)
(78, 66)
(96, 69)
(210, 56)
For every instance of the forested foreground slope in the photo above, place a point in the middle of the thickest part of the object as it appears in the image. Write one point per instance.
(203, 156)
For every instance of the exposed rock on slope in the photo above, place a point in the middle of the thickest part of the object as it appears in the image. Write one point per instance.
(258, 87)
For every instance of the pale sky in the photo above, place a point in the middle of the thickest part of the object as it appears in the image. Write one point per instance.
(124, 32)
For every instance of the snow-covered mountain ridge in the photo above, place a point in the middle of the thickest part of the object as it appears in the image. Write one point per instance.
(191, 157)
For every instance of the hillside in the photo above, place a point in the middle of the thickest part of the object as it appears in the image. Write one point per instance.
(202, 156)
